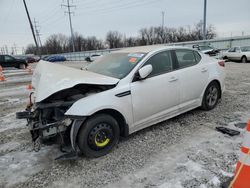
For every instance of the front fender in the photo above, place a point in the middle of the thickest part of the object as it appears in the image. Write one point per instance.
(105, 100)
(74, 131)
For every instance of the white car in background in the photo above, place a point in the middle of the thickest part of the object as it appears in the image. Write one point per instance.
(119, 94)
(93, 57)
(238, 54)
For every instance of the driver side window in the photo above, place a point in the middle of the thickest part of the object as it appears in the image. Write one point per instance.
(161, 63)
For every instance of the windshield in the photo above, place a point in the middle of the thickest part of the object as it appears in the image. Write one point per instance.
(205, 48)
(116, 65)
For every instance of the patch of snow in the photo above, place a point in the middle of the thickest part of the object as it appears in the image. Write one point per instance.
(226, 174)
(9, 121)
(215, 181)
(16, 167)
(172, 184)
(9, 146)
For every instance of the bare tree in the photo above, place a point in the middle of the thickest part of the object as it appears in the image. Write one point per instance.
(31, 49)
(114, 39)
(59, 43)
(147, 36)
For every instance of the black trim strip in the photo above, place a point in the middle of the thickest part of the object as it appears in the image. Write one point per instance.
(125, 93)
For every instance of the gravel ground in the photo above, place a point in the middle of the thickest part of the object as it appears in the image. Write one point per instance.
(185, 151)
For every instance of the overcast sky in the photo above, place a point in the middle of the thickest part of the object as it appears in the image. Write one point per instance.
(96, 17)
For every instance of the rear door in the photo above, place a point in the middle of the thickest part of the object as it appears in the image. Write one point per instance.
(234, 53)
(193, 75)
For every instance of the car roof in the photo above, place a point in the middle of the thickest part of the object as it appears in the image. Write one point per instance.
(147, 49)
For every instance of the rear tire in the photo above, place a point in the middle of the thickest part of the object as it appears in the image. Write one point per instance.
(211, 96)
(22, 66)
(244, 59)
(98, 135)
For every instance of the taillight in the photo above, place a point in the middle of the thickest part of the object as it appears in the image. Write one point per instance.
(221, 63)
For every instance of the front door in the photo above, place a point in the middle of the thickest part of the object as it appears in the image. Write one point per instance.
(157, 96)
(9, 61)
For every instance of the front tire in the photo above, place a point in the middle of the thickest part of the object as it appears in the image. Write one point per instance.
(211, 96)
(22, 66)
(244, 59)
(98, 135)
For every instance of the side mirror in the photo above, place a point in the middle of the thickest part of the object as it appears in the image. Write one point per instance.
(145, 71)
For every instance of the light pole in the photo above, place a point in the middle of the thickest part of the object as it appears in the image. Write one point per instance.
(205, 20)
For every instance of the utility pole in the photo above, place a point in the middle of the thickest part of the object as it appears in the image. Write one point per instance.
(31, 26)
(68, 6)
(38, 34)
(205, 20)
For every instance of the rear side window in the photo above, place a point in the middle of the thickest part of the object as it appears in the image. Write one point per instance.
(237, 49)
(245, 49)
(187, 58)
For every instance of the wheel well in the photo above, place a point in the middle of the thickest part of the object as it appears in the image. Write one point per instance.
(218, 83)
(243, 56)
(124, 130)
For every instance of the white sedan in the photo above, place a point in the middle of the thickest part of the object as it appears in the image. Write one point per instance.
(119, 94)
(238, 54)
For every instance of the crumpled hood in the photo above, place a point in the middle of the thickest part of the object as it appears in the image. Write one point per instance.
(49, 78)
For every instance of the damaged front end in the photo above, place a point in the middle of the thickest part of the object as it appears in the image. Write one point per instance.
(46, 119)
(56, 89)
(46, 122)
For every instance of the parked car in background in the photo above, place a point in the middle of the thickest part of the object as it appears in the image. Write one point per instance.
(238, 54)
(120, 93)
(92, 57)
(55, 58)
(10, 61)
(28, 58)
(209, 50)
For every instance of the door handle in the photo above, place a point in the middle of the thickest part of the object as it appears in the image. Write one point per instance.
(204, 70)
(173, 79)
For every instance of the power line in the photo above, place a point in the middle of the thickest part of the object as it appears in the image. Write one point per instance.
(120, 7)
(50, 15)
(69, 12)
